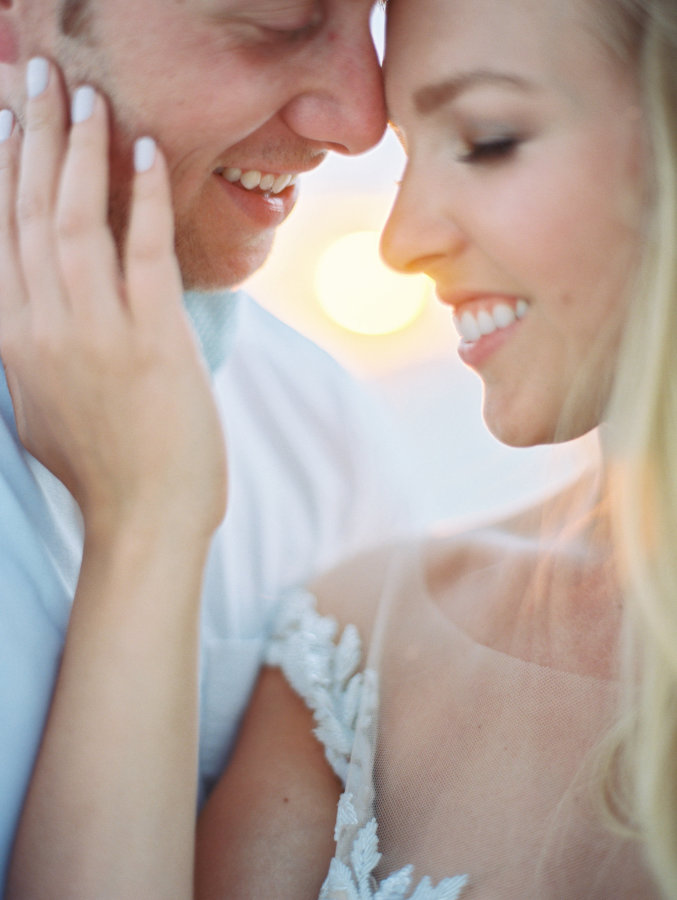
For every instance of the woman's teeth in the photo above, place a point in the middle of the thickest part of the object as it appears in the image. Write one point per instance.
(473, 326)
(252, 179)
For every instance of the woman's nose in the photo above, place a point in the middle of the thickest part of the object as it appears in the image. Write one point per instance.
(420, 233)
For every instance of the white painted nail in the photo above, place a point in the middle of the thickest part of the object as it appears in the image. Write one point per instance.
(6, 124)
(82, 106)
(37, 76)
(144, 154)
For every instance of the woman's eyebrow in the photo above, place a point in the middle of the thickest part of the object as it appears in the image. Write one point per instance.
(430, 97)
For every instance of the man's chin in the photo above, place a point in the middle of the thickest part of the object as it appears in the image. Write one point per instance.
(207, 261)
(213, 281)
(211, 268)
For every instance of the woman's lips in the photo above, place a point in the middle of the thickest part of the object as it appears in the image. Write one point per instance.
(485, 323)
(477, 319)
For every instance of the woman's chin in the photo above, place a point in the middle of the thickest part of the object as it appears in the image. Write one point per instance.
(532, 422)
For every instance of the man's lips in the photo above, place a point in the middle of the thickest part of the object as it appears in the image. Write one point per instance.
(260, 180)
(262, 209)
(256, 180)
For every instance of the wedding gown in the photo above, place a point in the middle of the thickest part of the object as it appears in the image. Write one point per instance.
(469, 772)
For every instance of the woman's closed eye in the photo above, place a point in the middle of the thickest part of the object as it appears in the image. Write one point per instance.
(490, 150)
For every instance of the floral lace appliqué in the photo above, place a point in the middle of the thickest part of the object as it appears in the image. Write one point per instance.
(323, 673)
(344, 702)
(356, 880)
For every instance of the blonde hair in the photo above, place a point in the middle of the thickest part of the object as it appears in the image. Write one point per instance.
(642, 452)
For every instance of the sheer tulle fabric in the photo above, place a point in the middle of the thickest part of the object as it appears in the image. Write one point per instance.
(472, 773)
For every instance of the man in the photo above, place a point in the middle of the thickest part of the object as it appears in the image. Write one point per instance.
(243, 96)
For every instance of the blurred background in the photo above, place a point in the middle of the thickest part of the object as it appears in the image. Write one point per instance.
(325, 278)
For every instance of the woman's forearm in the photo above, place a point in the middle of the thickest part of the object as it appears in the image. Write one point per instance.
(111, 807)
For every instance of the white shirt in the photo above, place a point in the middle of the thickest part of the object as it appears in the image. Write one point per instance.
(313, 477)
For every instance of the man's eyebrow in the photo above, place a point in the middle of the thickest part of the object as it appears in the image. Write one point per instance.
(430, 97)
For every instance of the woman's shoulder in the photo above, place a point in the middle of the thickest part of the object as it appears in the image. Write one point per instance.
(474, 573)
(350, 591)
(483, 579)
(452, 552)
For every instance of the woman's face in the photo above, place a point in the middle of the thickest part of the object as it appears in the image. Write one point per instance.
(522, 197)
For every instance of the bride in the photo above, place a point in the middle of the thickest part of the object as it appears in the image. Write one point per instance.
(477, 694)
(494, 712)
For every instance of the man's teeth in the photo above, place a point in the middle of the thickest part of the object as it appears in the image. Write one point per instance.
(252, 179)
(473, 326)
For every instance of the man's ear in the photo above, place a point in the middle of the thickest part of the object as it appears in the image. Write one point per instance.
(9, 42)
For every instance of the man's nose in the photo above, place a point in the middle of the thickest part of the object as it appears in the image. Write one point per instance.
(342, 104)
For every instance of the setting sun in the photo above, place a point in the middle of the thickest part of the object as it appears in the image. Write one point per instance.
(360, 293)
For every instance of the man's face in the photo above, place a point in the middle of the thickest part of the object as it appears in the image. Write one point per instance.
(229, 87)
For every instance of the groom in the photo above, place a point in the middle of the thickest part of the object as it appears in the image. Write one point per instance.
(243, 96)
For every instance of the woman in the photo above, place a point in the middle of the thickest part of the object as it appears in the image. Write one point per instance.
(500, 705)
(514, 734)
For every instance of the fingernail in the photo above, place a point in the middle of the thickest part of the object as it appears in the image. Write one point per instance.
(6, 124)
(82, 106)
(37, 76)
(144, 154)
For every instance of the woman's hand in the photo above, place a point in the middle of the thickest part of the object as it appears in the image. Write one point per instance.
(109, 390)
(110, 393)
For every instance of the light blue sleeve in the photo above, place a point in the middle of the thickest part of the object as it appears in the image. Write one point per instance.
(34, 609)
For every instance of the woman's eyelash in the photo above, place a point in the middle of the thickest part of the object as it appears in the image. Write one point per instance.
(489, 151)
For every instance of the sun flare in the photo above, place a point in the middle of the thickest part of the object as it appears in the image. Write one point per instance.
(360, 293)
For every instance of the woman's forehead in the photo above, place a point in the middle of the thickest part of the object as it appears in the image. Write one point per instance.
(546, 41)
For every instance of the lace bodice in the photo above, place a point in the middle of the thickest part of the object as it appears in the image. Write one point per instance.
(470, 772)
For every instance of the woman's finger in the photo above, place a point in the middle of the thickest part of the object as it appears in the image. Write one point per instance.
(43, 149)
(85, 246)
(151, 270)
